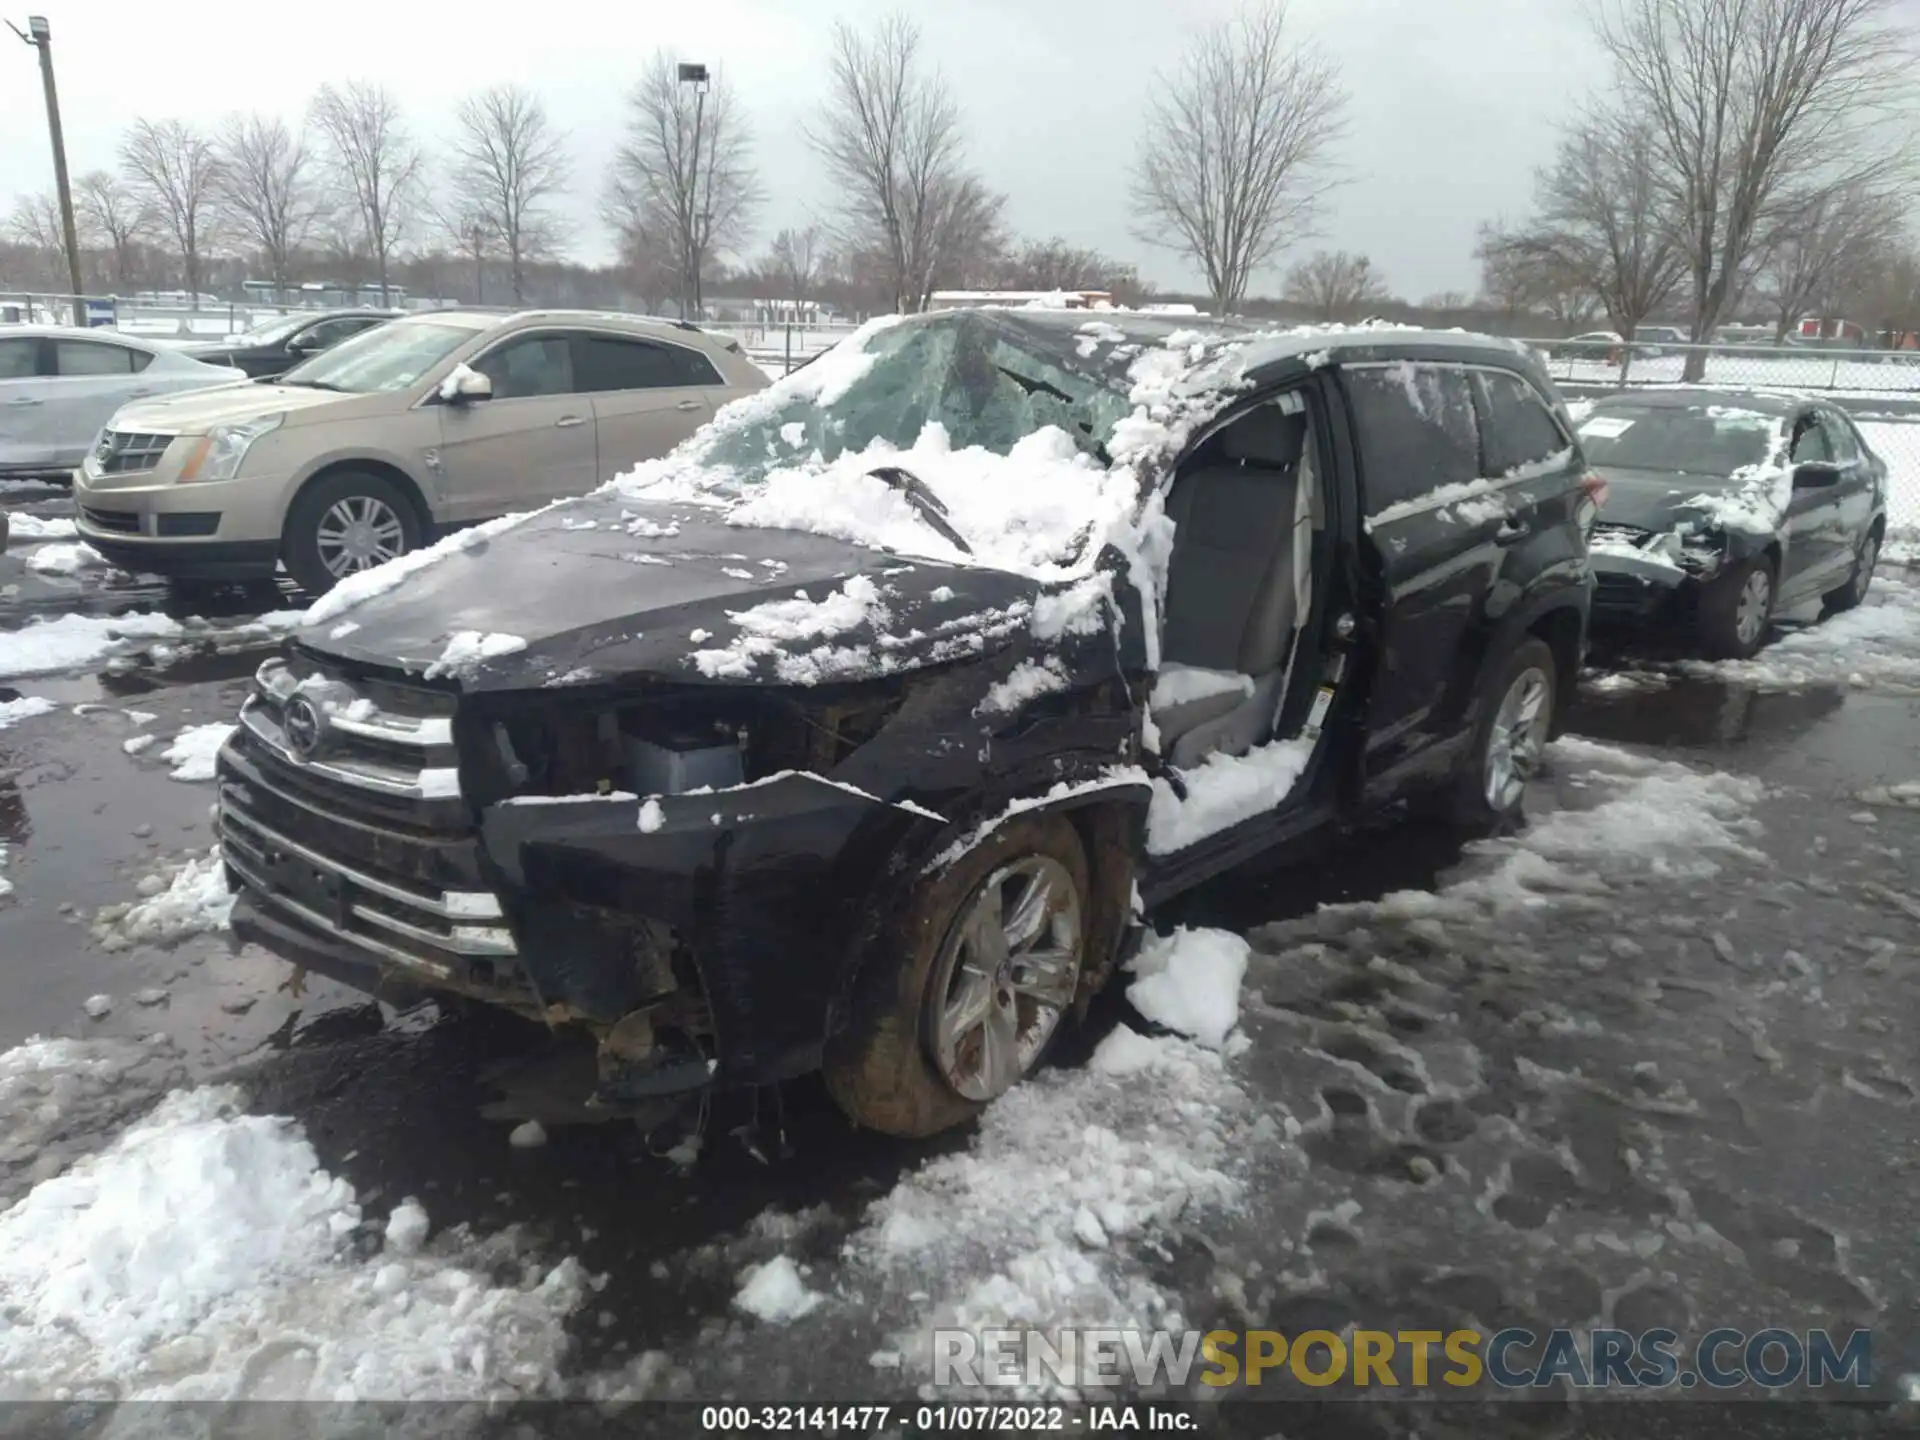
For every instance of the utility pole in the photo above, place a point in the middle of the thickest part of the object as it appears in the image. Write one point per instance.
(39, 35)
(696, 76)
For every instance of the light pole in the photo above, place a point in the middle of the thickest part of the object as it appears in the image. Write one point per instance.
(696, 76)
(39, 35)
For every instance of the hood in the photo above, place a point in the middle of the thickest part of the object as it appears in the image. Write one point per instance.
(1656, 499)
(607, 588)
(193, 412)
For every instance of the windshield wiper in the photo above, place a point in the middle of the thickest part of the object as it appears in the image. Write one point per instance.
(927, 504)
(310, 384)
(1035, 387)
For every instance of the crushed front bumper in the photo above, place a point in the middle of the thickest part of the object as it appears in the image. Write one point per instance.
(1641, 592)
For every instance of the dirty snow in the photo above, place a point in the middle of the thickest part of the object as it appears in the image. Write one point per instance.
(467, 649)
(190, 899)
(22, 526)
(66, 559)
(1223, 791)
(775, 1293)
(75, 640)
(12, 712)
(206, 1255)
(195, 749)
(1037, 1223)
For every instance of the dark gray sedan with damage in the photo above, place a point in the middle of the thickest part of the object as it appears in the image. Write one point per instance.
(1726, 508)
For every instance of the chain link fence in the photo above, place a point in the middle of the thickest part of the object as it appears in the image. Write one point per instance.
(1880, 389)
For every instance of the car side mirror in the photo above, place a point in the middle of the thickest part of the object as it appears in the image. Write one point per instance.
(1815, 475)
(465, 385)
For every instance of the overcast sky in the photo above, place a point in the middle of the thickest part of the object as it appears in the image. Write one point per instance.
(1453, 104)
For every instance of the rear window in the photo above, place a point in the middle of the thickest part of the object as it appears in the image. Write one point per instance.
(1678, 440)
(1417, 430)
(19, 359)
(89, 357)
(610, 364)
(1521, 429)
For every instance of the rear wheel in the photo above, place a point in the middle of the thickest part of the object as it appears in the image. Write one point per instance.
(1516, 707)
(1736, 609)
(344, 524)
(967, 993)
(1854, 591)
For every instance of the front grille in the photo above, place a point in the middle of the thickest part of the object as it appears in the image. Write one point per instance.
(122, 452)
(121, 522)
(340, 805)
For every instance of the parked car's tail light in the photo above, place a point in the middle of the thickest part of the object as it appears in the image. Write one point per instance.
(1593, 495)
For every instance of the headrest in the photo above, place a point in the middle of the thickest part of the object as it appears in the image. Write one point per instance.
(1265, 436)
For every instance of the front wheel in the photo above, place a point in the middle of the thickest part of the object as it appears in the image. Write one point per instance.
(964, 996)
(1516, 709)
(1736, 610)
(344, 524)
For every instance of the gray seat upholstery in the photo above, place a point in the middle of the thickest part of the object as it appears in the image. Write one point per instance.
(1232, 592)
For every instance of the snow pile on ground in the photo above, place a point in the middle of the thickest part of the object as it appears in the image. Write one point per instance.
(66, 560)
(192, 900)
(467, 649)
(194, 750)
(776, 1293)
(206, 1255)
(74, 640)
(1223, 791)
(1657, 818)
(1190, 983)
(1873, 647)
(58, 1097)
(12, 712)
(1036, 1222)
(23, 526)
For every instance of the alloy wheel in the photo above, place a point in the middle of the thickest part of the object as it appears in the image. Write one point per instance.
(1518, 738)
(359, 532)
(1007, 973)
(1754, 606)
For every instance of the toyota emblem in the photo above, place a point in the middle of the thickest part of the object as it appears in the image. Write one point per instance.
(304, 727)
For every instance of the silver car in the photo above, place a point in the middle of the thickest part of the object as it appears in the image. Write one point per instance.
(370, 449)
(60, 384)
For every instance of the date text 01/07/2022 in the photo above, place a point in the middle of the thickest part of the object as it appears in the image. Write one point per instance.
(942, 1419)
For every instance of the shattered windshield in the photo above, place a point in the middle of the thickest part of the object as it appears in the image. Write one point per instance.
(966, 374)
(1708, 440)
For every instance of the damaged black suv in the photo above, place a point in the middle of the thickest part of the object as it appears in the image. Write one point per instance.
(859, 733)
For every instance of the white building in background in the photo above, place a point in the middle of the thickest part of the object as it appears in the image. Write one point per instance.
(1061, 299)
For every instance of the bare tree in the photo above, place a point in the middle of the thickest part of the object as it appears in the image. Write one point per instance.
(1605, 223)
(795, 261)
(1055, 264)
(374, 165)
(175, 172)
(35, 224)
(1890, 297)
(112, 218)
(1751, 105)
(267, 189)
(1335, 285)
(890, 136)
(509, 166)
(1825, 249)
(1237, 149)
(682, 188)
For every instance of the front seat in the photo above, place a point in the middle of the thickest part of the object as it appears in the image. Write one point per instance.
(1232, 590)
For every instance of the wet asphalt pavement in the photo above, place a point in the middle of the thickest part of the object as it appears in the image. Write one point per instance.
(1675, 1098)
